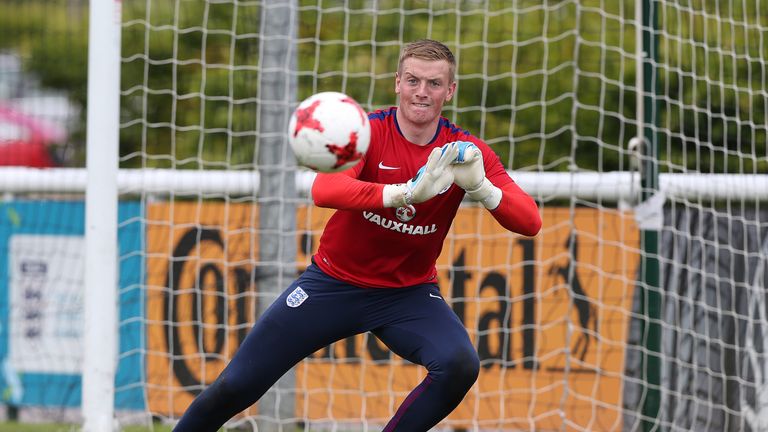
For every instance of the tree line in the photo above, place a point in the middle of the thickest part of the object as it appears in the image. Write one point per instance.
(550, 86)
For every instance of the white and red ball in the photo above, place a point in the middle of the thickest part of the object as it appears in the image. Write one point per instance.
(329, 132)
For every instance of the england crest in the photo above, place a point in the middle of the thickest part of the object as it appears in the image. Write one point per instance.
(296, 298)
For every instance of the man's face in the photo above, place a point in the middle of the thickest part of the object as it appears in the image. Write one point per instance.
(424, 86)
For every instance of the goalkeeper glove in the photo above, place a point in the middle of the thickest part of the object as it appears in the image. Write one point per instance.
(469, 174)
(433, 178)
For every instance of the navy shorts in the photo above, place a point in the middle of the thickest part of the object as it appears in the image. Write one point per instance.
(317, 310)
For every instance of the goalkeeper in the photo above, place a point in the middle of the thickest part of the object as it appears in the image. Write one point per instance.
(375, 270)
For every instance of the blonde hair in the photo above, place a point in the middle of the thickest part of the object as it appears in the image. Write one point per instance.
(428, 49)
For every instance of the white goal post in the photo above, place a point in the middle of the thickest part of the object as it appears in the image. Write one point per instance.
(100, 304)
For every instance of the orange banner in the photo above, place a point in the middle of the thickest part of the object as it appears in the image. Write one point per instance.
(200, 296)
(549, 316)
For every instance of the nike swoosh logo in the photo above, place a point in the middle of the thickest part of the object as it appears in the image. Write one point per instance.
(384, 167)
(435, 296)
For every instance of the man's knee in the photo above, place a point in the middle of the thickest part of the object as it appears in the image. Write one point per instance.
(468, 365)
(461, 367)
(226, 389)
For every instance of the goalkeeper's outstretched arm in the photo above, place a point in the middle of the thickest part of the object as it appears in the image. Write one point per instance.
(514, 209)
(517, 211)
(343, 191)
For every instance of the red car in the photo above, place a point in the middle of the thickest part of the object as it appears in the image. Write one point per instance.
(25, 141)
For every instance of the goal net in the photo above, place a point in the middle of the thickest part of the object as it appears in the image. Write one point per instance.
(640, 128)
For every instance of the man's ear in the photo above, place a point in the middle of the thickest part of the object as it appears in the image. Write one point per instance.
(397, 83)
(451, 91)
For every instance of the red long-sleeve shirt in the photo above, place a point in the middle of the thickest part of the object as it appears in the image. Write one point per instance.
(368, 245)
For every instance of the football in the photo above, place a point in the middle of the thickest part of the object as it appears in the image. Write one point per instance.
(329, 132)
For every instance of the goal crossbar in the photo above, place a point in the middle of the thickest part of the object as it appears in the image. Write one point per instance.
(609, 186)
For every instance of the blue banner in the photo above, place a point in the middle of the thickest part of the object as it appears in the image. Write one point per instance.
(42, 251)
